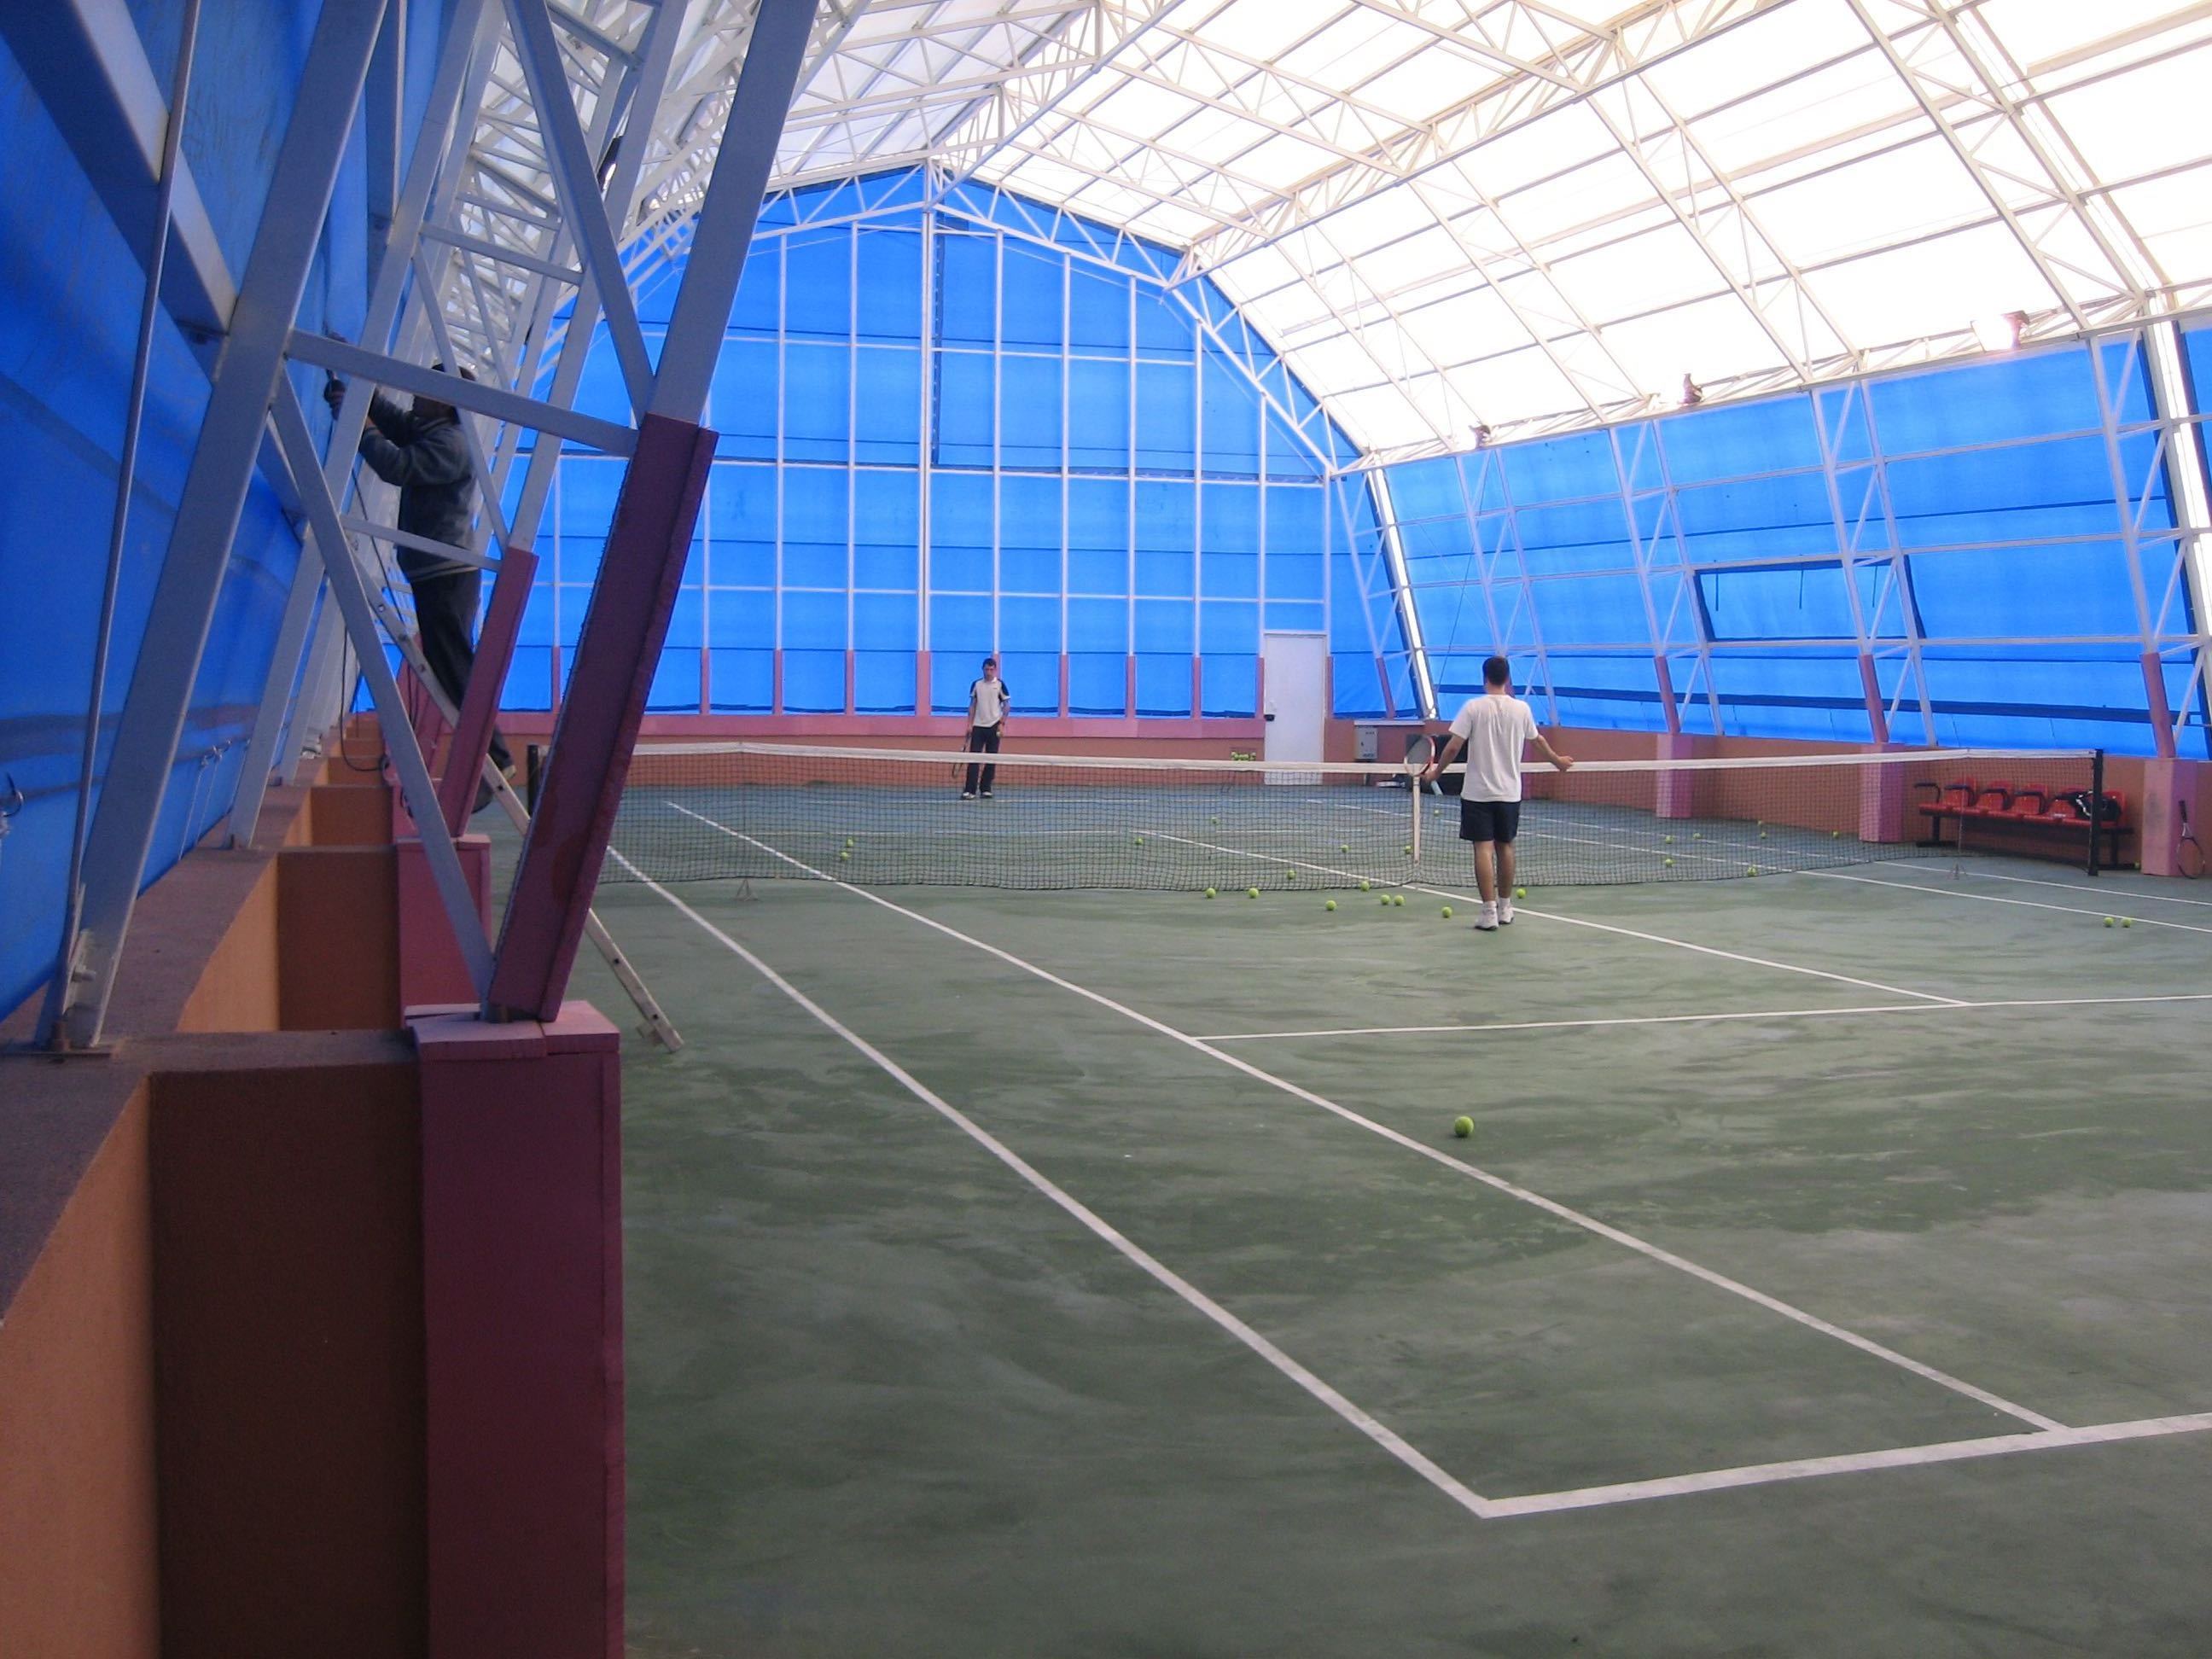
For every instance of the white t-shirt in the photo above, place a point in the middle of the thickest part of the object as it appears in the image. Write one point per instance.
(1493, 729)
(986, 702)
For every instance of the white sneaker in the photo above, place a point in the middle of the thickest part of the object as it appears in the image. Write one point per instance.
(1486, 921)
(1505, 913)
(967, 795)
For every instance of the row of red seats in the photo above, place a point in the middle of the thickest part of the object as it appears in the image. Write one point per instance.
(1967, 799)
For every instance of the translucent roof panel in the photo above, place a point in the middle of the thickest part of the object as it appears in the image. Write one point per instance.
(1527, 216)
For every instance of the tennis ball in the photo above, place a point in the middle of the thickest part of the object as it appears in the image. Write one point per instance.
(1762, 835)
(1362, 886)
(1448, 912)
(1751, 869)
(1696, 835)
(1383, 899)
(1399, 899)
(2127, 922)
(848, 841)
(1209, 892)
(1519, 893)
(1670, 864)
(1290, 875)
(1251, 892)
(1330, 905)
(844, 855)
(1344, 847)
(1670, 841)
(1139, 840)
(1463, 1128)
(2111, 922)
(1407, 848)
(1213, 820)
(1835, 835)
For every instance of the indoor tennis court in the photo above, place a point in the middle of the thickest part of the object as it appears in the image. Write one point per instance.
(1827, 1272)
(1105, 828)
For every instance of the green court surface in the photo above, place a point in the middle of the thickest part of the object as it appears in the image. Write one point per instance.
(1830, 1271)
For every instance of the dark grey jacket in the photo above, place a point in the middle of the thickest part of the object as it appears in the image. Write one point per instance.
(428, 458)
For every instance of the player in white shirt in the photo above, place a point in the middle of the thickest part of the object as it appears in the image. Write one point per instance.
(987, 698)
(1492, 729)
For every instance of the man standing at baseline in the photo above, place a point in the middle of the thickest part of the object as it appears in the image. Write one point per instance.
(987, 699)
(1492, 729)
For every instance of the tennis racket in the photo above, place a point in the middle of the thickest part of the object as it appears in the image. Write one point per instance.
(2190, 856)
(1419, 753)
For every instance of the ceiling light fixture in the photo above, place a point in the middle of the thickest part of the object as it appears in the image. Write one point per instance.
(2001, 332)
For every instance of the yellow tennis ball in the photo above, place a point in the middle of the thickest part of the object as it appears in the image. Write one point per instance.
(1290, 875)
(1670, 841)
(1383, 899)
(1251, 892)
(1696, 835)
(844, 855)
(1463, 1128)
(1762, 835)
(1519, 893)
(1330, 905)
(1407, 848)
(1344, 847)
(1448, 912)
(1751, 869)
(2127, 922)
(1398, 900)
(2111, 922)
(1835, 835)
(1209, 892)
(1670, 864)
(1139, 839)
(1363, 886)
(848, 841)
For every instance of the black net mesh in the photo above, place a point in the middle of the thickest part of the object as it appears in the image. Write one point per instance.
(888, 818)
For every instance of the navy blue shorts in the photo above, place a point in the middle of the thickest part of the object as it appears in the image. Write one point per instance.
(1489, 820)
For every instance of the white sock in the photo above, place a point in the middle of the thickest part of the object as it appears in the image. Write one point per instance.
(1506, 909)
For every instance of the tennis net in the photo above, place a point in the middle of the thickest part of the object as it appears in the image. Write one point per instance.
(890, 817)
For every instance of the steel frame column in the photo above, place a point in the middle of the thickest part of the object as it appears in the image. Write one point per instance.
(2174, 396)
(208, 512)
(2130, 504)
(631, 602)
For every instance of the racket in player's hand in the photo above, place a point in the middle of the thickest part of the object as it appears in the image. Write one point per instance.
(1420, 755)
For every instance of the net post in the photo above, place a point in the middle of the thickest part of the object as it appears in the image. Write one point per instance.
(2096, 809)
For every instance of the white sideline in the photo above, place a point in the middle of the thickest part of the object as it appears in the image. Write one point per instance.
(1699, 1019)
(1382, 1436)
(1552, 1206)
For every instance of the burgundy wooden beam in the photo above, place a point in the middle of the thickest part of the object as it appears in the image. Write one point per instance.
(479, 709)
(623, 630)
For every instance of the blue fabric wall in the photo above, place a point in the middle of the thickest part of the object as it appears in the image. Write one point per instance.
(70, 294)
(982, 428)
(1984, 494)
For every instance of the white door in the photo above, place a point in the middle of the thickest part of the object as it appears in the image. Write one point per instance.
(1294, 692)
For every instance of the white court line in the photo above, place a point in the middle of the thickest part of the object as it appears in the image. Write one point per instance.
(1382, 1436)
(1700, 1020)
(2080, 887)
(1803, 1468)
(1551, 1206)
(1992, 898)
(1580, 921)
